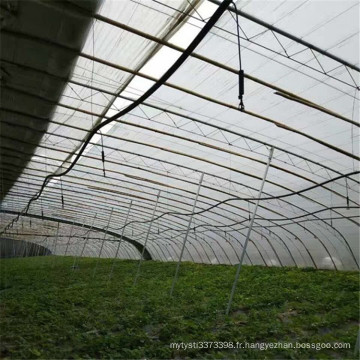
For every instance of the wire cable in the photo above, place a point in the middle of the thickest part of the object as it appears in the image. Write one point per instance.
(244, 199)
(225, 201)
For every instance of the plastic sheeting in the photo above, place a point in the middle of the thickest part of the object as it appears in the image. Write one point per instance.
(192, 125)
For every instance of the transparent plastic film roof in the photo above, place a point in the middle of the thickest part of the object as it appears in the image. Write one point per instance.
(189, 161)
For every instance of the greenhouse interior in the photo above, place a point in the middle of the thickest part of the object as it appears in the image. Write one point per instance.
(179, 179)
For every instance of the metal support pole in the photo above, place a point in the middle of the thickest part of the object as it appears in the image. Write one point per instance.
(26, 248)
(37, 249)
(47, 246)
(249, 232)
(186, 235)
(23, 253)
(146, 240)
(13, 246)
(103, 241)
(68, 243)
(56, 239)
(75, 256)
(122, 235)
(87, 236)
(41, 251)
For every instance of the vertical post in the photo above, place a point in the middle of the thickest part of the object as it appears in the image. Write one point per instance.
(87, 236)
(23, 248)
(75, 256)
(249, 232)
(14, 251)
(122, 235)
(103, 241)
(56, 239)
(47, 246)
(68, 243)
(26, 248)
(37, 249)
(40, 247)
(186, 236)
(146, 240)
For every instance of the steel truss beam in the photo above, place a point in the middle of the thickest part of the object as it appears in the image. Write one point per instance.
(170, 150)
(201, 159)
(286, 55)
(176, 87)
(191, 118)
(289, 36)
(148, 128)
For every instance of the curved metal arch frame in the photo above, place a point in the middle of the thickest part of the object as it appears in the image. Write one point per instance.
(221, 247)
(184, 167)
(136, 244)
(241, 245)
(313, 234)
(321, 204)
(204, 160)
(303, 244)
(78, 239)
(151, 145)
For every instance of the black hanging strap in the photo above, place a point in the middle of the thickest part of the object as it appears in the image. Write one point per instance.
(241, 89)
(347, 194)
(241, 71)
(102, 153)
(42, 211)
(62, 194)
